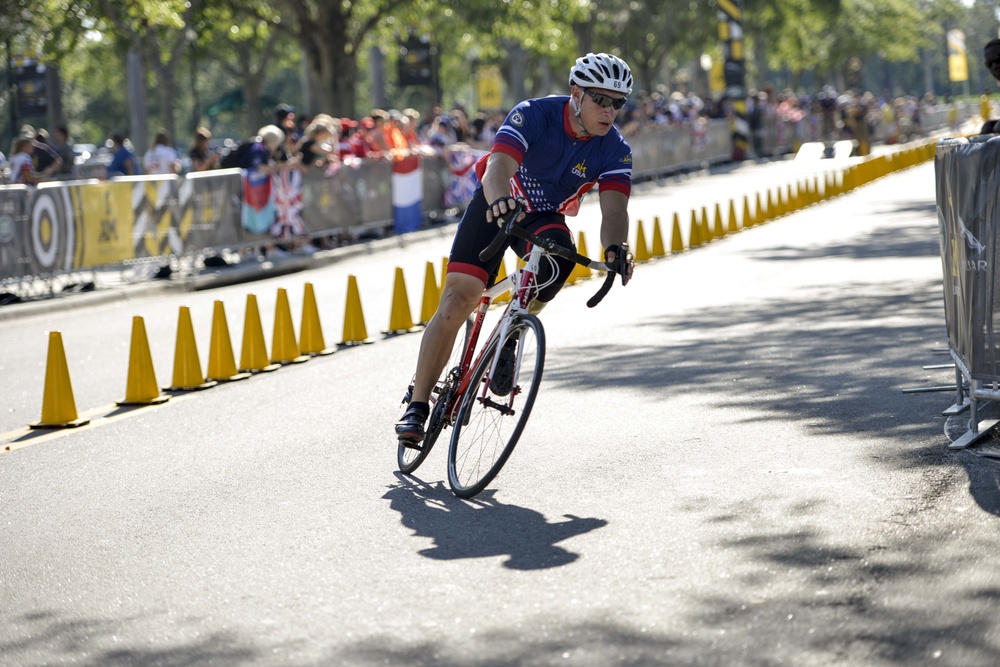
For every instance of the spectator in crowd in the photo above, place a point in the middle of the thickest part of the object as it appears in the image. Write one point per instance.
(161, 158)
(460, 124)
(3, 165)
(44, 155)
(378, 146)
(348, 127)
(321, 144)
(410, 124)
(284, 119)
(399, 147)
(991, 55)
(358, 141)
(123, 161)
(442, 134)
(22, 166)
(202, 156)
(63, 147)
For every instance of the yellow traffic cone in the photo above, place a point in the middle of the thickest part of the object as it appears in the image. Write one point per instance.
(58, 406)
(657, 249)
(733, 224)
(187, 364)
(400, 318)
(502, 276)
(284, 345)
(759, 212)
(253, 356)
(747, 220)
(580, 272)
(772, 207)
(444, 273)
(694, 238)
(141, 388)
(432, 295)
(355, 331)
(641, 251)
(705, 231)
(221, 360)
(676, 241)
(791, 201)
(311, 336)
(720, 229)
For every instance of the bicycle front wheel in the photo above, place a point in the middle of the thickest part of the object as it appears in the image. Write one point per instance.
(494, 411)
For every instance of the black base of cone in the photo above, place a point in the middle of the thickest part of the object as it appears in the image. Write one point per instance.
(73, 424)
(352, 343)
(197, 387)
(266, 369)
(153, 401)
(321, 353)
(296, 360)
(232, 378)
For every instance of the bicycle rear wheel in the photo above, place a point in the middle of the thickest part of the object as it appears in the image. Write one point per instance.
(488, 424)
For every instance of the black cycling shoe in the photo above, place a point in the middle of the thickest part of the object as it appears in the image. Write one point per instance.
(410, 428)
(503, 377)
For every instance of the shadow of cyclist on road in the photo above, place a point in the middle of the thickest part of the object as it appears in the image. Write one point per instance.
(484, 527)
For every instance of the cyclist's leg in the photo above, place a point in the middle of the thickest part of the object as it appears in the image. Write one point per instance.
(549, 226)
(464, 284)
(461, 294)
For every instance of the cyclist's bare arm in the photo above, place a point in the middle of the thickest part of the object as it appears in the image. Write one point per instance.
(614, 225)
(500, 168)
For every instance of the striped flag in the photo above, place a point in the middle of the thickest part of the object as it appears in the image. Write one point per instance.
(407, 193)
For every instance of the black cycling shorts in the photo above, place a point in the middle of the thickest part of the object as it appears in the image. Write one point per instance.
(475, 234)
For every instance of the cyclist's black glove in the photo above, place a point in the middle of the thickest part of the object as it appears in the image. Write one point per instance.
(620, 265)
(501, 219)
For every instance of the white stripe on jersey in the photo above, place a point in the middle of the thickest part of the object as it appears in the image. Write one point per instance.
(517, 135)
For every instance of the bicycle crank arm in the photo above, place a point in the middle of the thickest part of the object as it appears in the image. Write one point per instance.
(503, 409)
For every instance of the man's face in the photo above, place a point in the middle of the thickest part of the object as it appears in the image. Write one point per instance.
(992, 58)
(598, 119)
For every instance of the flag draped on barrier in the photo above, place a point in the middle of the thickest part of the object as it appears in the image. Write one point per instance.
(407, 193)
(463, 182)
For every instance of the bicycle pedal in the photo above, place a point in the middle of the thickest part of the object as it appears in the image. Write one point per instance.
(410, 443)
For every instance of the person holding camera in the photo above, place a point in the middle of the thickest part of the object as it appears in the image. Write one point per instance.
(202, 157)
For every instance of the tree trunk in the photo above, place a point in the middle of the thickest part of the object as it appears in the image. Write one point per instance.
(336, 68)
(584, 31)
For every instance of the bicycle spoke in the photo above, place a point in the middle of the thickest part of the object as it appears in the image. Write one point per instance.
(491, 420)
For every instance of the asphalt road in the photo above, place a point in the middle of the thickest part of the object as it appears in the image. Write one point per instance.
(721, 469)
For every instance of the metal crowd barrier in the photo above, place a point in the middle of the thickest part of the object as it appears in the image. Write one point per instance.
(967, 184)
(69, 226)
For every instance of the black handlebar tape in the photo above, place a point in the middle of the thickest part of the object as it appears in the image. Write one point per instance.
(609, 280)
(494, 247)
(500, 239)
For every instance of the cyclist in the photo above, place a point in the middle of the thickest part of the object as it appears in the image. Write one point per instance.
(548, 152)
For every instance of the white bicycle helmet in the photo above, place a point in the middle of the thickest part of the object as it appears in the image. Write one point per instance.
(601, 70)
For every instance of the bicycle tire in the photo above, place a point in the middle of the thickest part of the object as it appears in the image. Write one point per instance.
(484, 436)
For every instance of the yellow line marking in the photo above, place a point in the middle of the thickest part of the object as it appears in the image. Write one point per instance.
(106, 414)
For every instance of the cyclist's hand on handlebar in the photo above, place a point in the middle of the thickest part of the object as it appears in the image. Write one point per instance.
(500, 207)
(623, 265)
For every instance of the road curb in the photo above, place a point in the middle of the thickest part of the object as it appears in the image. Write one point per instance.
(220, 277)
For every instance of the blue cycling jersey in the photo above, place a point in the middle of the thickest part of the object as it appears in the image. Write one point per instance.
(556, 167)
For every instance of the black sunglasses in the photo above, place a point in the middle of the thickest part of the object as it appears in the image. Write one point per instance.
(605, 101)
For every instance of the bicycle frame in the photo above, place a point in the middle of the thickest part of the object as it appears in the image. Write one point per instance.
(525, 281)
